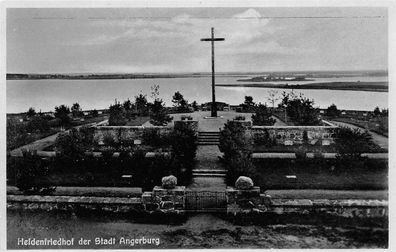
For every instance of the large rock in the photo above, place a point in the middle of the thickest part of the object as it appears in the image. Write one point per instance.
(169, 182)
(244, 183)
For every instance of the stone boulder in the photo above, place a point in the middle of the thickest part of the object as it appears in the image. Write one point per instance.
(244, 183)
(169, 182)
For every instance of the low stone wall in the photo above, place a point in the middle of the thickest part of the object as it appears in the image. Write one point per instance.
(292, 135)
(251, 201)
(73, 203)
(173, 201)
(132, 133)
(264, 155)
(126, 133)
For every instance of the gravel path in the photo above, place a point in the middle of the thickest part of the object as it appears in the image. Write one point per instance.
(378, 139)
(207, 159)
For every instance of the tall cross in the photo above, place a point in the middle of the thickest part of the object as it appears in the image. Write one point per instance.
(212, 40)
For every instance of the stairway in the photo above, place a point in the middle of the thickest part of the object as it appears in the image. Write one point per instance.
(208, 138)
(208, 173)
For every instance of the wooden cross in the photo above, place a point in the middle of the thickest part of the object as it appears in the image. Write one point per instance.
(212, 40)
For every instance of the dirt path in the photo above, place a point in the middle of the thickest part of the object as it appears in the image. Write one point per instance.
(378, 139)
(199, 231)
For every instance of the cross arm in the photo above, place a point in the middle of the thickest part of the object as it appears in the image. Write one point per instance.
(212, 39)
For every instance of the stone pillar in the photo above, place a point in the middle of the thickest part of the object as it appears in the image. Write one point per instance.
(246, 201)
(169, 199)
(246, 198)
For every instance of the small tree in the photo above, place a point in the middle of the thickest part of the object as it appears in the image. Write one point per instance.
(180, 103)
(159, 116)
(117, 115)
(94, 113)
(300, 109)
(384, 112)
(332, 111)
(72, 144)
(141, 104)
(37, 123)
(237, 149)
(62, 112)
(262, 117)
(248, 105)
(352, 142)
(377, 111)
(194, 105)
(76, 110)
(128, 107)
(31, 112)
(273, 97)
(155, 92)
(183, 140)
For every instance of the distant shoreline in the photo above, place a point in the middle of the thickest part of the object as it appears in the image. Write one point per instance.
(109, 76)
(351, 86)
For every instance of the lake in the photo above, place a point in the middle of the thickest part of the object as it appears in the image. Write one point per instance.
(99, 94)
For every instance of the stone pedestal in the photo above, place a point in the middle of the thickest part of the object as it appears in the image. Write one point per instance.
(169, 199)
(246, 201)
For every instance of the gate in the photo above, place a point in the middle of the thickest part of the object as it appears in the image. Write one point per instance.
(206, 201)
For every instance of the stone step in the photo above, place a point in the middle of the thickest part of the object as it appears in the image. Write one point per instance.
(207, 175)
(208, 171)
(208, 143)
(208, 140)
(209, 132)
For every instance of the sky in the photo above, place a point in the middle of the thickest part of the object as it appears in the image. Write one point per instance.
(167, 40)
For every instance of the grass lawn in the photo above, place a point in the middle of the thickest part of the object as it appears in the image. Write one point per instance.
(138, 121)
(372, 124)
(296, 148)
(372, 175)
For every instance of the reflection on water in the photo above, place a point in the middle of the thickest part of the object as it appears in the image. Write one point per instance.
(46, 94)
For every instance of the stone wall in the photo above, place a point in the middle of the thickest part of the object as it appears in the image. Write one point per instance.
(126, 133)
(292, 135)
(161, 200)
(251, 201)
(165, 200)
(132, 133)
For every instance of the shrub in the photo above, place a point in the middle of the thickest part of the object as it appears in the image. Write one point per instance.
(37, 123)
(262, 117)
(240, 165)
(73, 144)
(159, 115)
(29, 168)
(183, 141)
(332, 111)
(233, 139)
(264, 138)
(300, 109)
(117, 115)
(237, 149)
(62, 112)
(154, 138)
(109, 140)
(352, 142)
